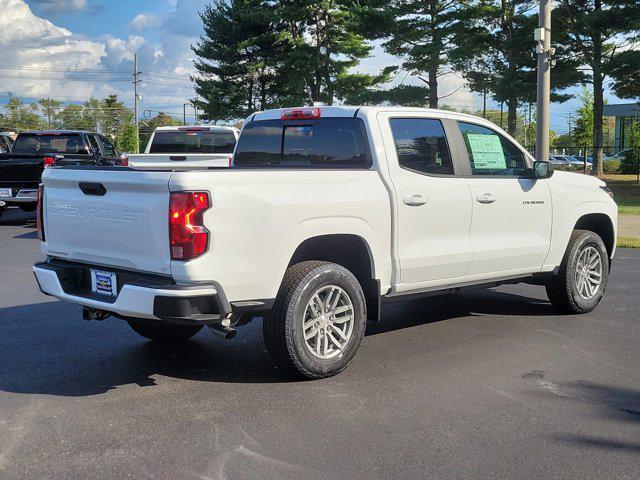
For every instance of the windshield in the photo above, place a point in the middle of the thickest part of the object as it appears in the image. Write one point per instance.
(193, 142)
(49, 143)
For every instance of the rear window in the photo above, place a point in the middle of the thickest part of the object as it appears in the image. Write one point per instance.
(193, 142)
(325, 142)
(49, 143)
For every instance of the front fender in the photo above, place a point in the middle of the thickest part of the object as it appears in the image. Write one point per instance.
(563, 228)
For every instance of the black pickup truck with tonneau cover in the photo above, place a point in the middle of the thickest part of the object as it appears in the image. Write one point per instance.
(21, 169)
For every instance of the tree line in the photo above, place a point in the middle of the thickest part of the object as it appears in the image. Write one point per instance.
(260, 54)
(108, 116)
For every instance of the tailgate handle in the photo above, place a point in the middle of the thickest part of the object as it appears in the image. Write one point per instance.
(175, 158)
(92, 189)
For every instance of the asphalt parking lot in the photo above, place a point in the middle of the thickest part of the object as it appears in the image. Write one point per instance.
(489, 384)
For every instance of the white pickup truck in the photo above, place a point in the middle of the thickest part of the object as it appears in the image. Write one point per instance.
(186, 148)
(326, 213)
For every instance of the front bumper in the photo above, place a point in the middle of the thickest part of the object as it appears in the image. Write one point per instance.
(139, 295)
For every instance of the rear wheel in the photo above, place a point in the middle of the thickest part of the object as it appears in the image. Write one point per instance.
(163, 332)
(28, 207)
(581, 281)
(2, 211)
(317, 321)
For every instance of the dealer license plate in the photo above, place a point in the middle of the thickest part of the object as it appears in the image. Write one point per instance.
(104, 283)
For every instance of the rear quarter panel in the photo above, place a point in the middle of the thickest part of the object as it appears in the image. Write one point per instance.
(259, 217)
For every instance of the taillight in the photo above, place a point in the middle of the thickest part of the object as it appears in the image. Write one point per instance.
(48, 161)
(124, 161)
(231, 160)
(39, 217)
(304, 113)
(187, 234)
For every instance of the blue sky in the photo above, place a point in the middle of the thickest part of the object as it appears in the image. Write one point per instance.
(45, 38)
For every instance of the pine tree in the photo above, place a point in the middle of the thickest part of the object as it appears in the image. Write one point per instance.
(494, 51)
(596, 31)
(322, 43)
(420, 33)
(625, 72)
(238, 60)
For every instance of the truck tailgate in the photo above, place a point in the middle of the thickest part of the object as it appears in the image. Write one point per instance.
(108, 216)
(179, 161)
(20, 169)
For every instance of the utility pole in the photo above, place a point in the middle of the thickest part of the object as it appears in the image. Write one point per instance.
(501, 113)
(136, 81)
(47, 103)
(543, 37)
(484, 96)
(184, 113)
(195, 112)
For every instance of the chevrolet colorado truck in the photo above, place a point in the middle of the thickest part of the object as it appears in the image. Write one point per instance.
(326, 213)
(187, 148)
(32, 152)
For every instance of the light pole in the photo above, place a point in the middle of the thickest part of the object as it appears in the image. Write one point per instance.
(543, 37)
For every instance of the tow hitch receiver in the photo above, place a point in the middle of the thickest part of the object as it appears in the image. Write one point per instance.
(94, 314)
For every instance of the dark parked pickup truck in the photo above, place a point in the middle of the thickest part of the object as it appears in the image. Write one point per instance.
(21, 169)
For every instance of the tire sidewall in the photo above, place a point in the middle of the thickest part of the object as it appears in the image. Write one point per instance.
(588, 240)
(316, 279)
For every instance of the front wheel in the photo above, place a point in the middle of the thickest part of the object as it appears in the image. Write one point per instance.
(581, 281)
(317, 321)
(162, 332)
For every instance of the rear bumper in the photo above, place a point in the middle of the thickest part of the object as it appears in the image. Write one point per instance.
(139, 295)
(21, 196)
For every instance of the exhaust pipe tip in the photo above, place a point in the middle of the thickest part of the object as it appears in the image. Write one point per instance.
(223, 331)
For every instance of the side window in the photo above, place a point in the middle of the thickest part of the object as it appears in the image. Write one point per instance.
(4, 148)
(109, 149)
(490, 153)
(93, 143)
(421, 145)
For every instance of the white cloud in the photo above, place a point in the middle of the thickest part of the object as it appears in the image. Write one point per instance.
(43, 51)
(62, 6)
(44, 60)
(145, 21)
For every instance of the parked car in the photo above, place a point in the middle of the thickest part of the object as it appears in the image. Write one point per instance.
(326, 213)
(185, 148)
(562, 160)
(621, 155)
(6, 142)
(21, 169)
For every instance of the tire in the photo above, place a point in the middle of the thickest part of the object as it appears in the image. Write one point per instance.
(2, 211)
(284, 327)
(28, 208)
(567, 291)
(162, 332)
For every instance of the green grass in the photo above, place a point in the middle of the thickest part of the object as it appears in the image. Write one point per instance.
(626, 192)
(628, 242)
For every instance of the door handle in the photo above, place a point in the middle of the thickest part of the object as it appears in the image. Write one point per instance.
(415, 200)
(486, 198)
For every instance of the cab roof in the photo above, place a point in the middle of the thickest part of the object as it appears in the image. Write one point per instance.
(354, 111)
(211, 128)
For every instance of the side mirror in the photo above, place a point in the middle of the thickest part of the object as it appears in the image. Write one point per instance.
(542, 169)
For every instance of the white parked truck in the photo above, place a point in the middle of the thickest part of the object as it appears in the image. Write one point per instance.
(187, 148)
(326, 213)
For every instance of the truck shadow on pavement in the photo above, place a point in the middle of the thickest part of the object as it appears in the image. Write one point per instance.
(16, 217)
(614, 404)
(46, 348)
